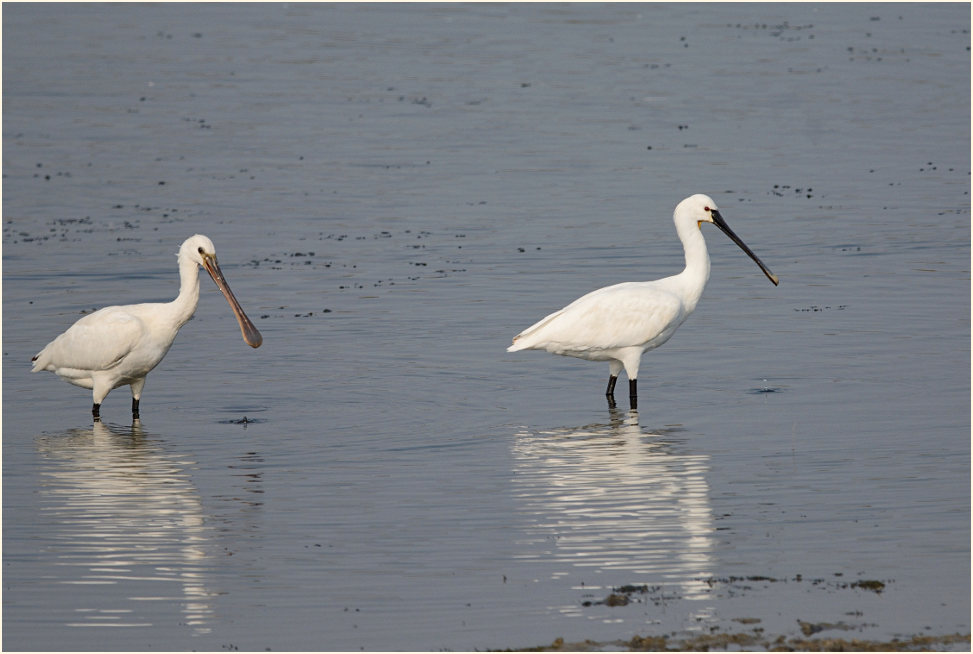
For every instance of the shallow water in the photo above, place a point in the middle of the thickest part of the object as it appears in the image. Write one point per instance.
(394, 192)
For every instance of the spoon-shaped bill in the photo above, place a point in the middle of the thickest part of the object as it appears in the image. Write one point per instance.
(719, 222)
(251, 336)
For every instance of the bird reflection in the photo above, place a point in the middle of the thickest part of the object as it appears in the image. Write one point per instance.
(619, 501)
(130, 530)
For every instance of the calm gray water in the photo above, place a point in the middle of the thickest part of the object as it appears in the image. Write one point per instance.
(394, 192)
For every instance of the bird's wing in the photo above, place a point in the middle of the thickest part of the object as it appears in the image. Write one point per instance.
(623, 315)
(98, 341)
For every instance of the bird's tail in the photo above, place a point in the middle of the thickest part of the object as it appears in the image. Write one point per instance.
(533, 335)
(40, 362)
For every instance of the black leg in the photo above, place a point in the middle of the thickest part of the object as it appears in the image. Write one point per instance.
(135, 408)
(633, 393)
(610, 392)
(96, 411)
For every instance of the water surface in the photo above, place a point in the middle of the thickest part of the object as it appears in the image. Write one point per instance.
(394, 192)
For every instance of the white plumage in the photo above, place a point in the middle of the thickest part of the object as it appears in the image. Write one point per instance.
(120, 345)
(619, 323)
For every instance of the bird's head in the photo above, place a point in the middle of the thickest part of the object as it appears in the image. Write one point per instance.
(200, 250)
(699, 207)
(702, 209)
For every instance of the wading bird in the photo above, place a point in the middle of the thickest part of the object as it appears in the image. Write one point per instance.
(120, 345)
(619, 323)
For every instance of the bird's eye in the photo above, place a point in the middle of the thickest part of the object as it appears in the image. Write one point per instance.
(706, 209)
(200, 248)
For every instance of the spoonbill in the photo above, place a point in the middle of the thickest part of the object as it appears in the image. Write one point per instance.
(619, 323)
(120, 345)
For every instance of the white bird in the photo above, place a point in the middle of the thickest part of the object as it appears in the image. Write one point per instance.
(619, 323)
(120, 345)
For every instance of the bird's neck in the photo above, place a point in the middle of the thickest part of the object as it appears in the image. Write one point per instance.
(694, 277)
(185, 303)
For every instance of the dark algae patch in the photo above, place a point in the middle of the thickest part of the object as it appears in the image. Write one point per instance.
(731, 585)
(751, 641)
(811, 628)
(869, 584)
(628, 594)
(808, 636)
(734, 583)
